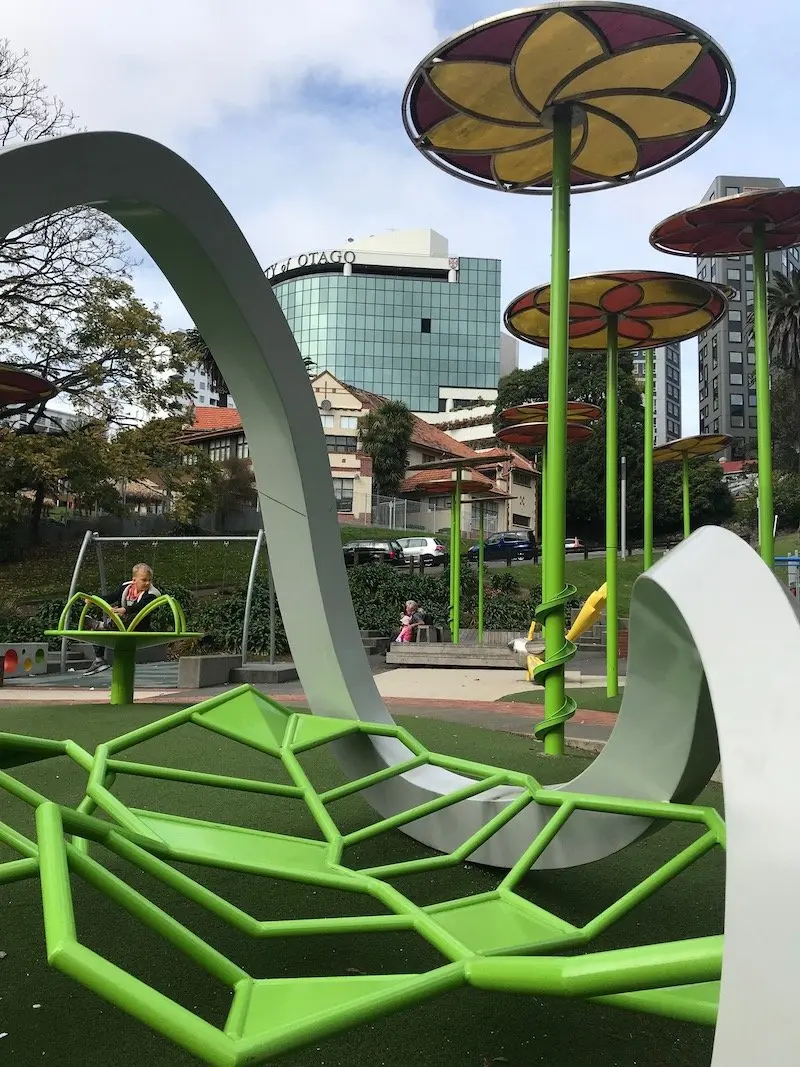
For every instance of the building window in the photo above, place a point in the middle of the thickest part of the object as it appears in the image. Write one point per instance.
(425, 326)
(520, 520)
(337, 443)
(752, 400)
(343, 491)
(327, 422)
(522, 478)
(735, 356)
(734, 274)
(732, 190)
(242, 448)
(716, 425)
(438, 504)
(490, 517)
(737, 409)
(753, 422)
(735, 337)
(714, 354)
(220, 450)
(736, 379)
(348, 422)
(734, 316)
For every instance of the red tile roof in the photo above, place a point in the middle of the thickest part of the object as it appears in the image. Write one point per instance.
(738, 466)
(216, 419)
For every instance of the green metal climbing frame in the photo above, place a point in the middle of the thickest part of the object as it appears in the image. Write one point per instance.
(497, 940)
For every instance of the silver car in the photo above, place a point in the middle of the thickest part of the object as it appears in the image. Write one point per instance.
(430, 550)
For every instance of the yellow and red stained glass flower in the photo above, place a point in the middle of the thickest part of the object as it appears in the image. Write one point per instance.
(645, 89)
(700, 444)
(537, 411)
(651, 308)
(725, 226)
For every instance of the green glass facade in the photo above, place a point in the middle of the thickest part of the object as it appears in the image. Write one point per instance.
(400, 335)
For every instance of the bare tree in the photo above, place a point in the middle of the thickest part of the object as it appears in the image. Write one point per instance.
(47, 266)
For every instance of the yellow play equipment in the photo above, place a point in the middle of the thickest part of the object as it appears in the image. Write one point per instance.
(587, 617)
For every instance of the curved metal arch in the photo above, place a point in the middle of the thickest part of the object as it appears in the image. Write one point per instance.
(664, 746)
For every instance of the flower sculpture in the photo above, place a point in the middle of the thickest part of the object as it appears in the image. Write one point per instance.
(651, 308)
(725, 226)
(644, 89)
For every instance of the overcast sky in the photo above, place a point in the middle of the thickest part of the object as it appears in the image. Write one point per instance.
(292, 112)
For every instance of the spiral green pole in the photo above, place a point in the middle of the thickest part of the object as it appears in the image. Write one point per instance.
(612, 508)
(687, 515)
(481, 556)
(558, 708)
(455, 558)
(766, 537)
(648, 458)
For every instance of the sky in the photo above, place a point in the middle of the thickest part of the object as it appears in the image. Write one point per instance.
(292, 112)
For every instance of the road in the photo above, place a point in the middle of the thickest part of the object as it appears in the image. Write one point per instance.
(572, 557)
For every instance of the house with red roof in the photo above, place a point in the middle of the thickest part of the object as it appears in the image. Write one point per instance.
(423, 505)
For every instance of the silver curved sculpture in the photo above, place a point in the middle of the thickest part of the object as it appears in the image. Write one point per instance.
(689, 651)
(664, 745)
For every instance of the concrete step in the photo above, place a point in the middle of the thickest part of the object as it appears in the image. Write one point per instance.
(264, 674)
(448, 655)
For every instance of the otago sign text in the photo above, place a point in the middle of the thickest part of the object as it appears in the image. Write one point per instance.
(309, 259)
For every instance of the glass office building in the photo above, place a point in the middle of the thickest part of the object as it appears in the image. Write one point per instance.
(397, 315)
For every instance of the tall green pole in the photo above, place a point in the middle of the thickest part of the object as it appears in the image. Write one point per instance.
(451, 616)
(557, 708)
(480, 572)
(544, 497)
(612, 509)
(687, 515)
(648, 459)
(455, 556)
(766, 537)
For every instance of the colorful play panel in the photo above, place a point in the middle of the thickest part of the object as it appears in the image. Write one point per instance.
(498, 940)
(754, 223)
(123, 640)
(23, 659)
(682, 451)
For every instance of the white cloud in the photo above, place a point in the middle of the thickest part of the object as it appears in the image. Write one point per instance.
(292, 111)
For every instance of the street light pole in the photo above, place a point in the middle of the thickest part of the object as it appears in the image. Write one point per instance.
(623, 507)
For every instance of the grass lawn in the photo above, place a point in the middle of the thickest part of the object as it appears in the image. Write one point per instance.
(589, 698)
(587, 575)
(49, 1018)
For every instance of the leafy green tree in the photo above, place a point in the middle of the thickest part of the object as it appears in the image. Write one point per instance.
(48, 266)
(385, 437)
(235, 488)
(110, 355)
(709, 497)
(586, 461)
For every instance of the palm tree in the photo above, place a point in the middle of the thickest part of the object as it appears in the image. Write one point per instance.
(385, 437)
(198, 347)
(204, 358)
(783, 302)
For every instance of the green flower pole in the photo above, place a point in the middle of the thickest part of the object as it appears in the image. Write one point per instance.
(649, 430)
(537, 113)
(682, 451)
(612, 507)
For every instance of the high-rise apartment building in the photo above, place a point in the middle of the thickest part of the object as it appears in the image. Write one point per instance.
(727, 355)
(666, 391)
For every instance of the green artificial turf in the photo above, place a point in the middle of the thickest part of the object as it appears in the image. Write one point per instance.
(51, 1019)
(588, 698)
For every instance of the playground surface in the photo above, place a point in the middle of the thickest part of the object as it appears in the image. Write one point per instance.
(466, 1028)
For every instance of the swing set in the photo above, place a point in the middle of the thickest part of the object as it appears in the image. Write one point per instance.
(92, 538)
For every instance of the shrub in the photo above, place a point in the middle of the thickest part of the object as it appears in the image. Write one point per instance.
(504, 581)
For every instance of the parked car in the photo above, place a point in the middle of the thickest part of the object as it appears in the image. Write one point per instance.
(357, 553)
(573, 544)
(430, 550)
(511, 544)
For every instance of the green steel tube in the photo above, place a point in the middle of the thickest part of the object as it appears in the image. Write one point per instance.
(648, 459)
(554, 533)
(17, 870)
(123, 673)
(601, 973)
(612, 507)
(480, 572)
(766, 539)
(453, 554)
(456, 557)
(544, 497)
(687, 514)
